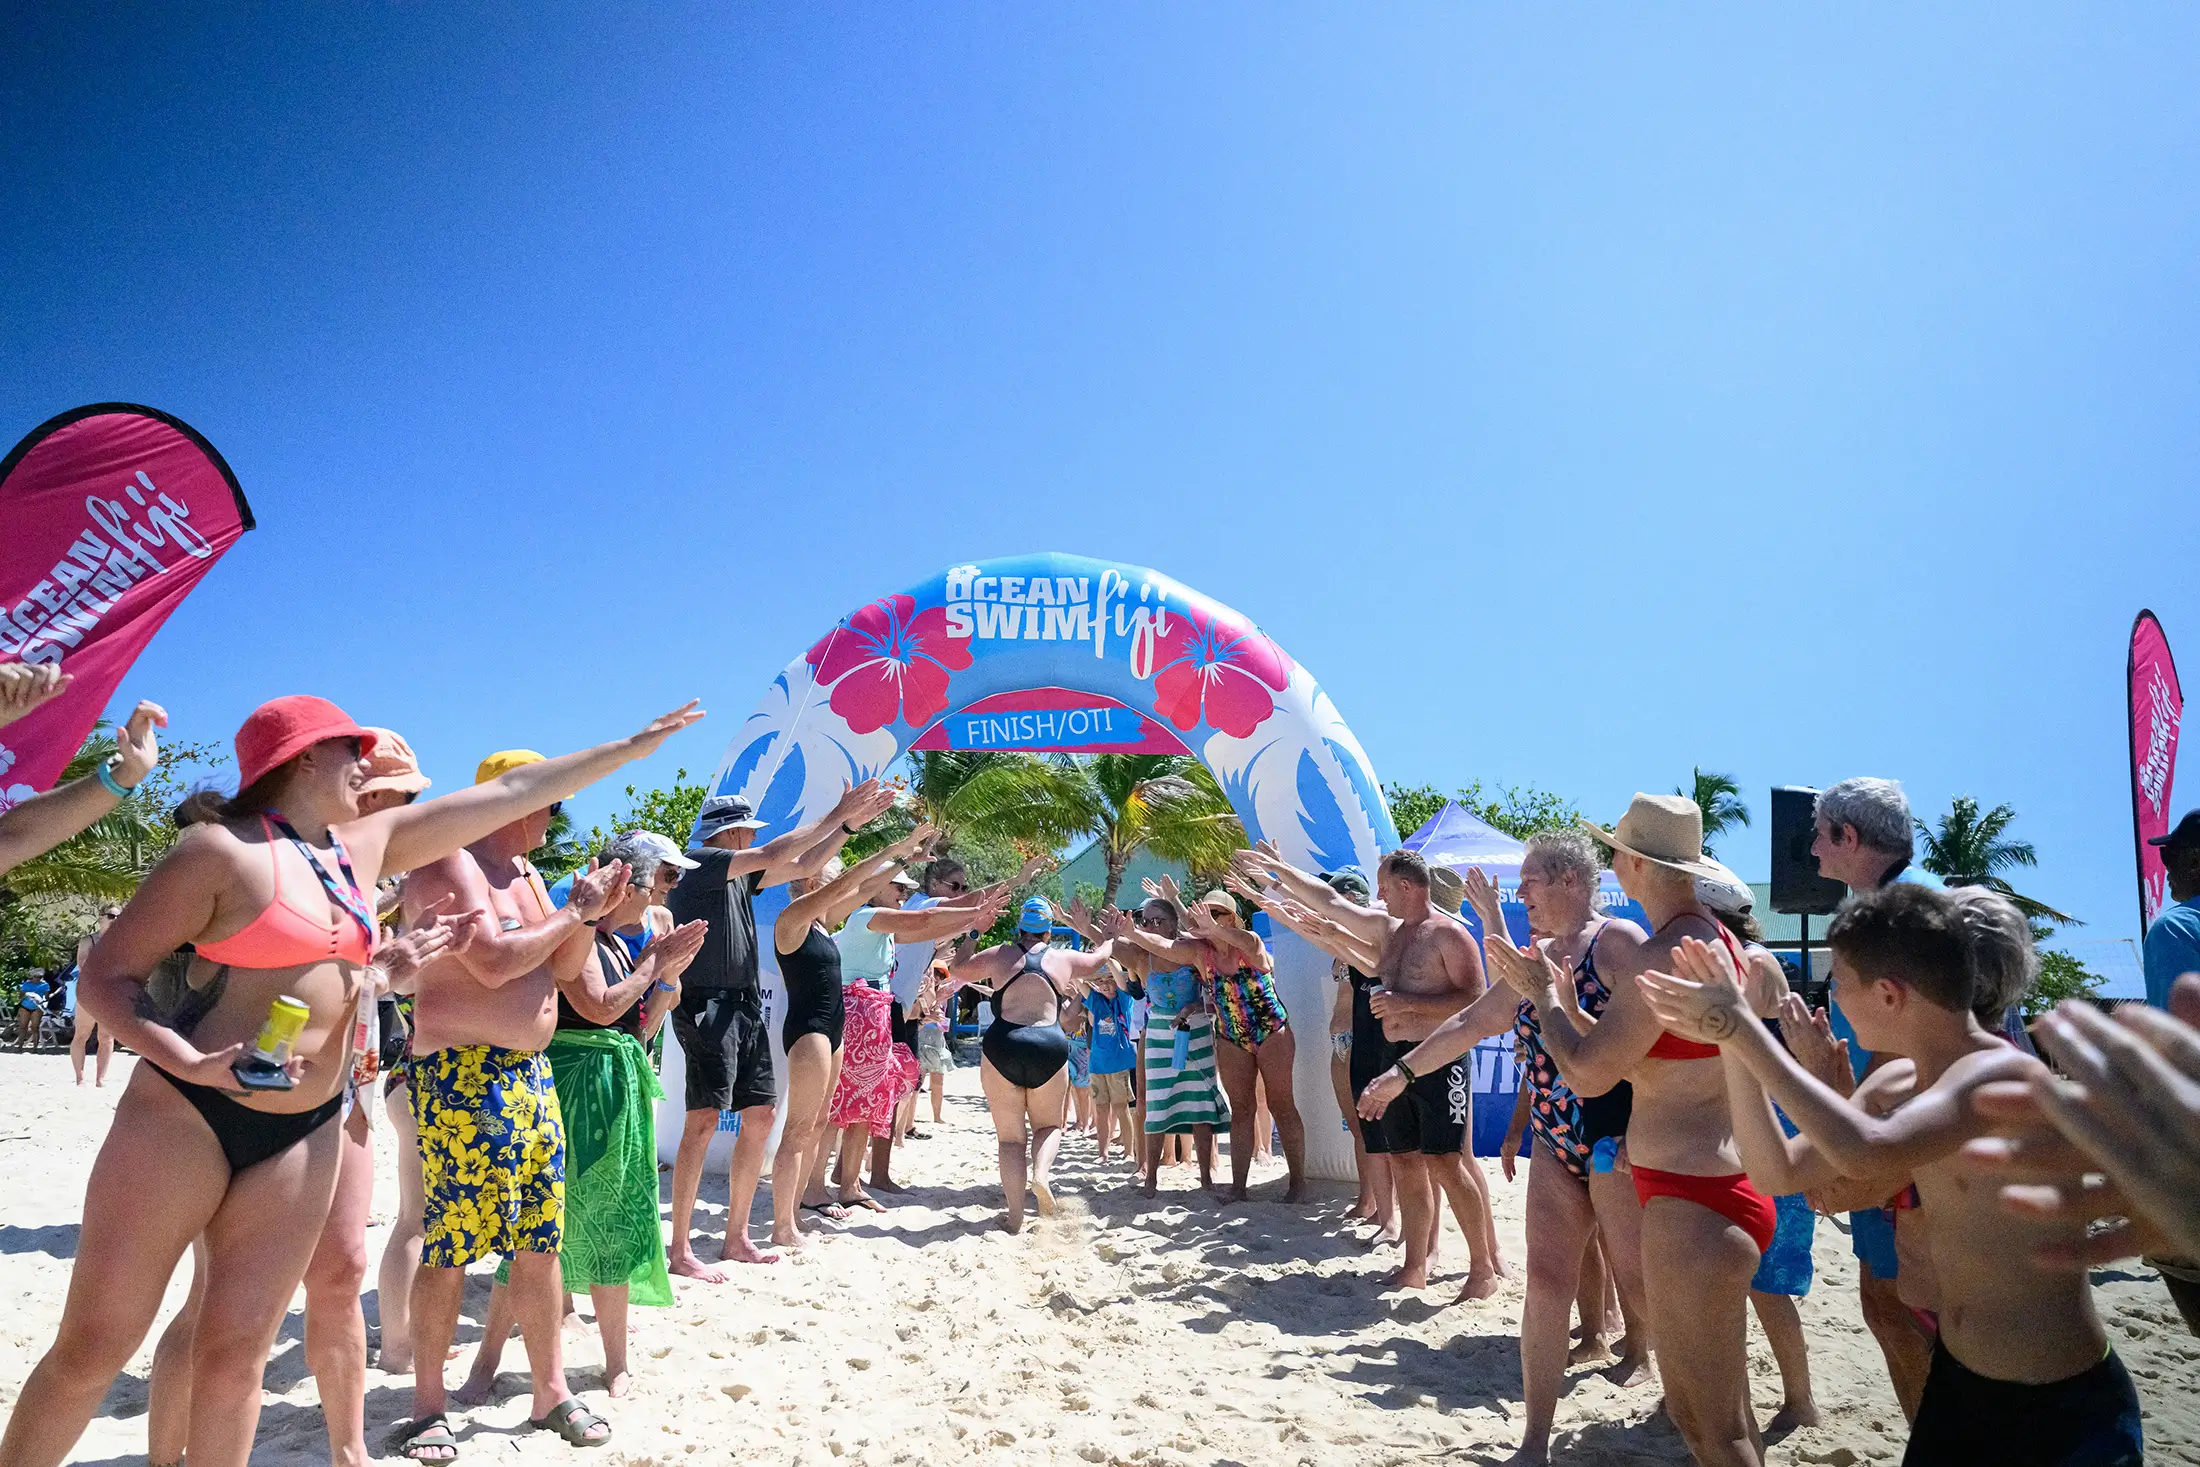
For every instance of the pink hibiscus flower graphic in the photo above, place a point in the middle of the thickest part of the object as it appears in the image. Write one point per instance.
(1219, 670)
(887, 662)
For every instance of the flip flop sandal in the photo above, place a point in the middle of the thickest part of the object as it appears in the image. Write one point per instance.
(831, 1211)
(865, 1201)
(432, 1433)
(573, 1421)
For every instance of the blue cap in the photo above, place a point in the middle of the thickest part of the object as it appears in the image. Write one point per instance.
(1036, 916)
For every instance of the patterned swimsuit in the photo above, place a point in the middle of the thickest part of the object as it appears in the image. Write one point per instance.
(1554, 1112)
(1248, 1010)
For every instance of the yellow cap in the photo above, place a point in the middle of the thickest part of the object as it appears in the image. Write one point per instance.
(504, 761)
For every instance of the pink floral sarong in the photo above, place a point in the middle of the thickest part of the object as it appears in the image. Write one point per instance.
(875, 1072)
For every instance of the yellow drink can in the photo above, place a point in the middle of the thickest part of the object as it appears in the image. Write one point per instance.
(286, 1019)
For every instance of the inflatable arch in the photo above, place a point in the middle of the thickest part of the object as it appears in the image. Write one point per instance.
(1058, 653)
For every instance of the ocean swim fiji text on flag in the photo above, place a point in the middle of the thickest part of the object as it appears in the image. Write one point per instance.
(2157, 708)
(109, 515)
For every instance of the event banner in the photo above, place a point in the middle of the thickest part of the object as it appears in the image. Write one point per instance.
(2157, 707)
(109, 515)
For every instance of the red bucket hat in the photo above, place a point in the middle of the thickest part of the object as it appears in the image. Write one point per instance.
(281, 730)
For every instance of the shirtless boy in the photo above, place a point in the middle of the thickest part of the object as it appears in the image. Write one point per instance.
(492, 1143)
(2022, 1372)
(1429, 970)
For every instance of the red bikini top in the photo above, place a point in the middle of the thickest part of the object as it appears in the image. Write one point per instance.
(1672, 1046)
(281, 936)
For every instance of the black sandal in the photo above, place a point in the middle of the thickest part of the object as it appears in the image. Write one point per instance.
(432, 1433)
(573, 1421)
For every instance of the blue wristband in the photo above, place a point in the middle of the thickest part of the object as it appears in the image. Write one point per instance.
(107, 778)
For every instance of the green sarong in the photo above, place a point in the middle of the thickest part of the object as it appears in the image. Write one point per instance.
(607, 1094)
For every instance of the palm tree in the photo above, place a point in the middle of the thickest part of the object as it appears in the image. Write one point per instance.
(1167, 803)
(1973, 849)
(1719, 796)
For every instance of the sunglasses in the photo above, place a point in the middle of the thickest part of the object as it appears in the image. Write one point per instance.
(555, 807)
(956, 886)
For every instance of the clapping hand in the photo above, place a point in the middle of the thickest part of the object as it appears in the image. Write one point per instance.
(1702, 999)
(1810, 1038)
(2130, 1107)
(137, 746)
(597, 890)
(676, 949)
(437, 934)
(1488, 905)
(663, 727)
(28, 685)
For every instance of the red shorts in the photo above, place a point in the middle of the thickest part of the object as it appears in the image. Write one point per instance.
(1731, 1197)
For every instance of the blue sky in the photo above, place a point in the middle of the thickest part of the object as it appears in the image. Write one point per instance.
(1581, 395)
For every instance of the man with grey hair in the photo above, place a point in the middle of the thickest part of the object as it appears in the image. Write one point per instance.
(1865, 840)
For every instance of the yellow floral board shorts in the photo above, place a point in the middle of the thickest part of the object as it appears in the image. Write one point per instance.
(492, 1153)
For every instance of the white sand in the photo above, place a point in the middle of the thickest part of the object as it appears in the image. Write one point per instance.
(1122, 1331)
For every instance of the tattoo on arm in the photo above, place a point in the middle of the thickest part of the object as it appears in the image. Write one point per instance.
(1721, 1023)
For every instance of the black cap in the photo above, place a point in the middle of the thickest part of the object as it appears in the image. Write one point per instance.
(2186, 833)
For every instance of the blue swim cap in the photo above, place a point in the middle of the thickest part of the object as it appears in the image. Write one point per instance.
(1036, 916)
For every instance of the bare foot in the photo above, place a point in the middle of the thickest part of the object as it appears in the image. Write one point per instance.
(1012, 1224)
(688, 1266)
(890, 1187)
(1530, 1457)
(1296, 1192)
(863, 1200)
(1478, 1286)
(1148, 1189)
(1632, 1368)
(475, 1392)
(788, 1237)
(1043, 1196)
(1406, 1276)
(1593, 1348)
(1792, 1417)
(741, 1250)
(618, 1385)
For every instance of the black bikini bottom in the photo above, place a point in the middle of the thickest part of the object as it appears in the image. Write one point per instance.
(1027, 1055)
(249, 1136)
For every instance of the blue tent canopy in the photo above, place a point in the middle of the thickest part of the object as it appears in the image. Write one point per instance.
(1458, 838)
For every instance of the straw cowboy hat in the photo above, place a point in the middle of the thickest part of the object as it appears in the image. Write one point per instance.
(1665, 830)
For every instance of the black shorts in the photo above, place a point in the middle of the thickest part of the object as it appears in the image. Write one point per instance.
(2090, 1419)
(728, 1049)
(1432, 1117)
(905, 1028)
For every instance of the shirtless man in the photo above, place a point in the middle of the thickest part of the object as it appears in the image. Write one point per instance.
(1429, 970)
(483, 1099)
(2022, 1371)
(1704, 1227)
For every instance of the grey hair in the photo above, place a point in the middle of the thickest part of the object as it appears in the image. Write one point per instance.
(1997, 949)
(1566, 852)
(642, 850)
(1876, 808)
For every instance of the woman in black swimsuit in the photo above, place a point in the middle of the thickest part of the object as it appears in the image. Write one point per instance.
(809, 971)
(1024, 1062)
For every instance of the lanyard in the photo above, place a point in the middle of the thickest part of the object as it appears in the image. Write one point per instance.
(347, 896)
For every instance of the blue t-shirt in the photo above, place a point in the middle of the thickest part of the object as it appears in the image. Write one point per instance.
(1860, 1058)
(2172, 949)
(32, 995)
(1111, 1031)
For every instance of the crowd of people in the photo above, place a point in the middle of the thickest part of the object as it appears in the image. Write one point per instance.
(326, 939)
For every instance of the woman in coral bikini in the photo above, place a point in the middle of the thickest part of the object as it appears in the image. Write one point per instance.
(274, 899)
(1704, 1228)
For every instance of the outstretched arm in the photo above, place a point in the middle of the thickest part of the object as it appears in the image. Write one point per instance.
(807, 849)
(410, 836)
(44, 821)
(1366, 923)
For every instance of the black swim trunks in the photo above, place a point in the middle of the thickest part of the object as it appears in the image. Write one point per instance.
(727, 1048)
(2089, 1420)
(1434, 1113)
